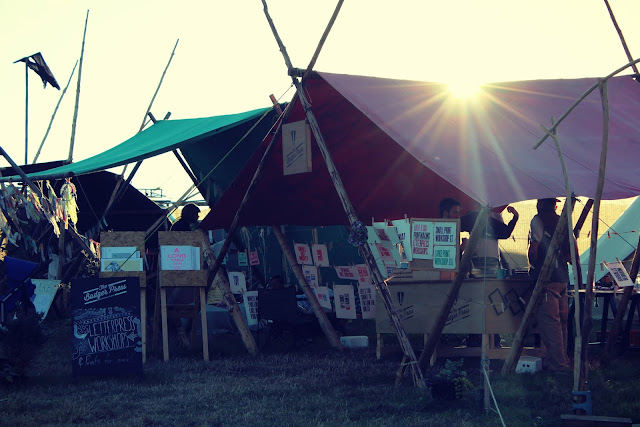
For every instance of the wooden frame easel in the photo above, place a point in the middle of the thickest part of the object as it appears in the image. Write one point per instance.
(182, 279)
(130, 238)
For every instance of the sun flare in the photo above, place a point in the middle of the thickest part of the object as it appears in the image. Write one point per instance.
(464, 88)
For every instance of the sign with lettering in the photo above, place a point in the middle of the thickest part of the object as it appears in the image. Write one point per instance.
(367, 301)
(445, 257)
(254, 259)
(296, 148)
(386, 256)
(322, 293)
(179, 258)
(421, 240)
(107, 336)
(619, 273)
(320, 255)
(237, 282)
(445, 233)
(251, 307)
(242, 259)
(303, 254)
(345, 301)
(346, 272)
(403, 228)
(311, 275)
(363, 274)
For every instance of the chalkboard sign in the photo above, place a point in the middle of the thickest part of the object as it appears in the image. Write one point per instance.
(107, 336)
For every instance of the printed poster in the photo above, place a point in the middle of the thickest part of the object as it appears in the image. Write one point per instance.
(237, 282)
(322, 293)
(445, 233)
(364, 277)
(389, 239)
(254, 259)
(251, 307)
(311, 275)
(320, 255)
(303, 254)
(403, 228)
(619, 273)
(372, 236)
(296, 148)
(386, 256)
(421, 240)
(242, 259)
(367, 301)
(344, 299)
(445, 257)
(346, 272)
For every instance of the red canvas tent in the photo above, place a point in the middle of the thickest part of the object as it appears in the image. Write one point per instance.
(400, 146)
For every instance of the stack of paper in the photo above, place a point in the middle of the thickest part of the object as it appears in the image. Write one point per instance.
(120, 258)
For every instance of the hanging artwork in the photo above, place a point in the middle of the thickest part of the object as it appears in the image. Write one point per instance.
(320, 255)
(303, 254)
(346, 272)
(296, 148)
(311, 275)
(251, 307)
(322, 293)
(403, 228)
(237, 282)
(364, 277)
(421, 239)
(367, 301)
(344, 299)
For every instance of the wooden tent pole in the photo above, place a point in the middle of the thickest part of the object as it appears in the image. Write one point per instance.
(582, 97)
(234, 310)
(624, 43)
(324, 322)
(587, 322)
(75, 111)
(465, 264)
(364, 250)
(583, 217)
(543, 277)
(314, 58)
(35, 159)
(574, 263)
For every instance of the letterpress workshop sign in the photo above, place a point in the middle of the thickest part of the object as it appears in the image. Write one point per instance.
(619, 273)
(296, 148)
(422, 240)
(107, 337)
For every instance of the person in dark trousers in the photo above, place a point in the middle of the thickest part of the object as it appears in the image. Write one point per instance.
(553, 310)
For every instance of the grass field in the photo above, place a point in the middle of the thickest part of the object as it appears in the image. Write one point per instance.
(312, 385)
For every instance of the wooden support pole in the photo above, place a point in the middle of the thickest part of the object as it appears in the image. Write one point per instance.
(582, 97)
(465, 265)
(545, 272)
(234, 310)
(587, 323)
(324, 322)
(364, 250)
(619, 31)
(55, 110)
(75, 111)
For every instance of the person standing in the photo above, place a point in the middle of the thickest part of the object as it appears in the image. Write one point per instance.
(188, 218)
(553, 310)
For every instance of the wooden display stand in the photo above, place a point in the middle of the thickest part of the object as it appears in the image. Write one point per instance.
(484, 306)
(182, 278)
(130, 238)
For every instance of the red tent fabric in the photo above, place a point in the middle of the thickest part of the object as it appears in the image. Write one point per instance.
(401, 146)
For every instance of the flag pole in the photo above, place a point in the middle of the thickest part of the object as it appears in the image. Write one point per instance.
(26, 110)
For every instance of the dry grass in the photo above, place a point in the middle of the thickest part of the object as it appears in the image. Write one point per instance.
(311, 386)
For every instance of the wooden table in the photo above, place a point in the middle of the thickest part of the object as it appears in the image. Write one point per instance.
(485, 306)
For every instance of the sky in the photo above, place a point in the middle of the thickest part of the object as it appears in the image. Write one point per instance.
(227, 60)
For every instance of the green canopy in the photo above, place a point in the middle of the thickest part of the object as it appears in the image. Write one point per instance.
(163, 136)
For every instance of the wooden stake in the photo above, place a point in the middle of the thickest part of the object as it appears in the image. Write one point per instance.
(545, 272)
(465, 265)
(579, 100)
(234, 310)
(364, 250)
(624, 43)
(54, 113)
(75, 111)
(324, 322)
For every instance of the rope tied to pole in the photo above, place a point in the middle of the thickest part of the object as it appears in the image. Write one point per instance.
(358, 235)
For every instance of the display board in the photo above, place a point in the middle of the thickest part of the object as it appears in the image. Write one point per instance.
(435, 244)
(107, 333)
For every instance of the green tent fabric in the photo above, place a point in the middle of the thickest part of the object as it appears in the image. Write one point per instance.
(163, 136)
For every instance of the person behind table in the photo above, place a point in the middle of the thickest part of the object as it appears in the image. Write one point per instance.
(554, 304)
(188, 218)
(487, 247)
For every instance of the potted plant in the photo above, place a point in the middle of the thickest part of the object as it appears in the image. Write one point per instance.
(450, 382)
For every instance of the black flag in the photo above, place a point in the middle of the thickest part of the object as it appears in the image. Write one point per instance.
(37, 64)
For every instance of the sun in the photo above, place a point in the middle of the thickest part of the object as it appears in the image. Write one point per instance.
(464, 88)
